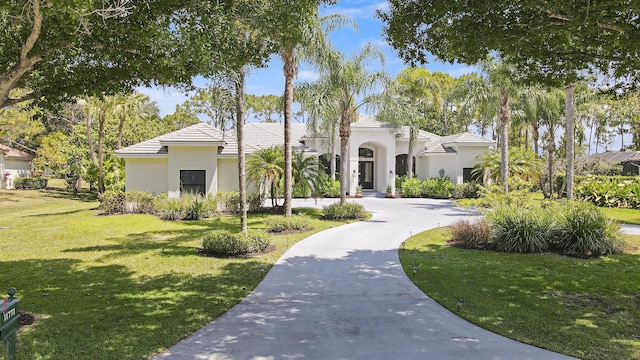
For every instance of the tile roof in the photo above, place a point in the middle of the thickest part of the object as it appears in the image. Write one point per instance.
(621, 156)
(11, 153)
(465, 137)
(257, 136)
(437, 148)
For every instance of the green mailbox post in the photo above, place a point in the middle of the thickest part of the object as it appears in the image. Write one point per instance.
(9, 323)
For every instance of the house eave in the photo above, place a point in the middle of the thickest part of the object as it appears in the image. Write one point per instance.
(192, 143)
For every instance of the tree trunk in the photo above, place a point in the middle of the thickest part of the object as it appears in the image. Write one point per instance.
(101, 121)
(120, 130)
(242, 176)
(25, 62)
(504, 141)
(345, 133)
(289, 72)
(410, 153)
(570, 102)
(92, 151)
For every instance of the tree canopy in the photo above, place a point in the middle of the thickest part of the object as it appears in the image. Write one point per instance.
(552, 40)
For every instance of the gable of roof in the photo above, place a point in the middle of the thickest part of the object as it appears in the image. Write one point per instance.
(15, 154)
(466, 138)
(437, 149)
(200, 133)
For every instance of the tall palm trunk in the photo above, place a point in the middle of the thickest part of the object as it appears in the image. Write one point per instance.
(92, 151)
(345, 133)
(120, 130)
(332, 164)
(570, 138)
(242, 176)
(101, 121)
(412, 140)
(289, 72)
(504, 141)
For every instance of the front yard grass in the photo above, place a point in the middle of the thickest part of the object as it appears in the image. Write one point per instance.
(122, 286)
(587, 308)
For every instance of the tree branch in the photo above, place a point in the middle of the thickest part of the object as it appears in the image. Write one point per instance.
(601, 25)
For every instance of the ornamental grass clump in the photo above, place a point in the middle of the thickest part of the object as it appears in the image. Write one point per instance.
(471, 235)
(583, 230)
(226, 243)
(278, 224)
(519, 231)
(344, 211)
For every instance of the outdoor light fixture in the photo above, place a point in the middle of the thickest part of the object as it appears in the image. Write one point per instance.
(390, 174)
(415, 270)
(459, 303)
(402, 245)
(441, 173)
(262, 269)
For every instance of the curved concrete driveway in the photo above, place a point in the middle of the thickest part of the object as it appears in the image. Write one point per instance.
(342, 294)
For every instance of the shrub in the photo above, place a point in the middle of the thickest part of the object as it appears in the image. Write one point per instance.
(34, 183)
(112, 202)
(344, 211)
(286, 223)
(196, 207)
(225, 243)
(169, 209)
(229, 202)
(471, 235)
(412, 188)
(328, 188)
(468, 190)
(609, 191)
(138, 202)
(400, 181)
(518, 230)
(583, 230)
(438, 188)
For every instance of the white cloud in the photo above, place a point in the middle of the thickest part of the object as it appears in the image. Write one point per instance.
(166, 98)
(308, 75)
(359, 12)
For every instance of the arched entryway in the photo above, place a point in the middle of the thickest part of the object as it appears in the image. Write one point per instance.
(366, 163)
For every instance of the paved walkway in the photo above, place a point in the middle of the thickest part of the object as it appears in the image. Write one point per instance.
(342, 294)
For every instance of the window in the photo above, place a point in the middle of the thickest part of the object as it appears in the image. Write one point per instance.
(467, 175)
(365, 153)
(192, 181)
(402, 165)
(325, 160)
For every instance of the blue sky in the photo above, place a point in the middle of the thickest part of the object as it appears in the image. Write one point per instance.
(270, 79)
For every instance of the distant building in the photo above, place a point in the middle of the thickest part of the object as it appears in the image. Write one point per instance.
(630, 161)
(13, 164)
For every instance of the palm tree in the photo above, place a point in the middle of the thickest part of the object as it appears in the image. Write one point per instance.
(499, 87)
(314, 48)
(306, 172)
(123, 107)
(403, 105)
(524, 164)
(265, 168)
(349, 83)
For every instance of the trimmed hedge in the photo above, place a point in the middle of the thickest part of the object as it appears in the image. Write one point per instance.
(344, 211)
(225, 243)
(34, 183)
(285, 223)
(229, 202)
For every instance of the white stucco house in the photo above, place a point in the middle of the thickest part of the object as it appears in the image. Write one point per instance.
(204, 159)
(13, 164)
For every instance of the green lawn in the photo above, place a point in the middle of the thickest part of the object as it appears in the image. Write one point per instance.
(117, 287)
(579, 307)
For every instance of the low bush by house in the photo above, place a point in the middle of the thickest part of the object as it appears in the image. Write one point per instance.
(229, 202)
(344, 211)
(469, 190)
(573, 229)
(412, 188)
(34, 183)
(288, 223)
(437, 187)
(225, 243)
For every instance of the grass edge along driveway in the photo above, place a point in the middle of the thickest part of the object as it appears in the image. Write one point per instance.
(586, 308)
(122, 286)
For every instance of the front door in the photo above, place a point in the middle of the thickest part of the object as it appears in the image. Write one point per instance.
(366, 174)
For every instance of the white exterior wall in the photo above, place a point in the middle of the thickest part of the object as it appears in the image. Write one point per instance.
(11, 169)
(433, 163)
(146, 174)
(228, 174)
(192, 158)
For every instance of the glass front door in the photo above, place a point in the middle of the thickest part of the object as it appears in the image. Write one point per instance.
(366, 174)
